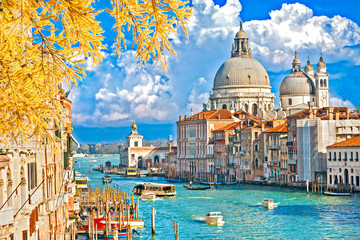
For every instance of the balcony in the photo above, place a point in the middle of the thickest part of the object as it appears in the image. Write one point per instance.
(274, 164)
(6, 216)
(274, 147)
(245, 167)
(290, 144)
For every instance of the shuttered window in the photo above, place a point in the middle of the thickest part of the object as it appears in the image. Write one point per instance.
(32, 176)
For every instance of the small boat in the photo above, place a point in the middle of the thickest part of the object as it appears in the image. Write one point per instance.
(213, 218)
(196, 188)
(130, 172)
(95, 160)
(147, 196)
(161, 190)
(337, 194)
(268, 203)
(106, 179)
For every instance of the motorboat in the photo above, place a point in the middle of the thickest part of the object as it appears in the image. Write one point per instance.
(130, 172)
(213, 218)
(196, 188)
(106, 179)
(160, 190)
(268, 203)
(147, 196)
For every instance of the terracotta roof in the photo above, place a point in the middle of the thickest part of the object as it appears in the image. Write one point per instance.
(279, 129)
(352, 142)
(212, 114)
(231, 126)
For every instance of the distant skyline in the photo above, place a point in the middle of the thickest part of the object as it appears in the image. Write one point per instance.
(118, 91)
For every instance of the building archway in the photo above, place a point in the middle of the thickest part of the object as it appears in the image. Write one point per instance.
(224, 106)
(140, 162)
(346, 176)
(156, 159)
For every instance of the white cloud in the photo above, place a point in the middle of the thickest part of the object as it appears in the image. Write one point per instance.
(114, 116)
(335, 101)
(294, 27)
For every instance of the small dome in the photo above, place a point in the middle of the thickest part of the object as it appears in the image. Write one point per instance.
(308, 67)
(134, 127)
(296, 61)
(297, 84)
(321, 64)
(241, 72)
(241, 33)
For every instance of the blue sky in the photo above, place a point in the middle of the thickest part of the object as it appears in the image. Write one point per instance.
(118, 91)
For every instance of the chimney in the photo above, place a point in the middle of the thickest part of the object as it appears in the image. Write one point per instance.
(180, 118)
(262, 127)
(314, 112)
(311, 105)
(348, 113)
(185, 117)
(331, 113)
(218, 116)
(337, 115)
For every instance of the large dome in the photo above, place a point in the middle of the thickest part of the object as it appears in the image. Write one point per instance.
(297, 84)
(241, 72)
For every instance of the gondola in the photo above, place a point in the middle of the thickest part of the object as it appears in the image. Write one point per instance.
(196, 188)
(174, 180)
(211, 183)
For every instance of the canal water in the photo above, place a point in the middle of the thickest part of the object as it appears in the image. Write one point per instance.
(297, 216)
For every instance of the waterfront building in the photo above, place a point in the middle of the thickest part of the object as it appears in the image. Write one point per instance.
(274, 163)
(300, 87)
(310, 132)
(194, 137)
(343, 166)
(242, 83)
(139, 156)
(37, 186)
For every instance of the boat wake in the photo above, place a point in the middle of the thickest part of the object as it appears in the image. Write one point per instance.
(200, 197)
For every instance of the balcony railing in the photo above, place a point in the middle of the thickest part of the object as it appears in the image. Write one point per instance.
(245, 166)
(6, 216)
(232, 165)
(274, 147)
(290, 144)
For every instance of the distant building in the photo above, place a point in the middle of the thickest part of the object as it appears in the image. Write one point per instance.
(139, 156)
(343, 166)
(300, 87)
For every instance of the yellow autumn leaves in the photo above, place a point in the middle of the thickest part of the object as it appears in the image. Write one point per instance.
(41, 42)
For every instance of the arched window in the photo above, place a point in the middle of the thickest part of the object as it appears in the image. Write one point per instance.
(321, 83)
(325, 83)
(256, 162)
(254, 109)
(246, 108)
(256, 148)
(156, 159)
(224, 106)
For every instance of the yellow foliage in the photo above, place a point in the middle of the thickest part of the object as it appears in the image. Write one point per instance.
(41, 42)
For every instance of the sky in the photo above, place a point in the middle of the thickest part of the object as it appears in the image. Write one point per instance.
(118, 91)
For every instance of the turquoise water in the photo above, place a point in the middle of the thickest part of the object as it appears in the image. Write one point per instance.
(297, 216)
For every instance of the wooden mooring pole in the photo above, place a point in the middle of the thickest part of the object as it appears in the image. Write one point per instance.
(153, 213)
(176, 229)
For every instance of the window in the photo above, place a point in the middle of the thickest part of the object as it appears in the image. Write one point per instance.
(340, 179)
(357, 181)
(256, 135)
(345, 159)
(330, 179)
(256, 148)
(290, 101)
(329, 156)
(352, 170)
(351, 156)
(256, 162)
(329, 169)
(32, 175)
(339, 169)
(136, 144)
(334, 156)
(339, 156)
(357, 156)
(224, 106)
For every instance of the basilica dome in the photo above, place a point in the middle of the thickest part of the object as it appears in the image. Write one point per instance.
(297, 84)
(241, 72)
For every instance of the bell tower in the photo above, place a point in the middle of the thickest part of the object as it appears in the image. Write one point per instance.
(322, 84)
(241, 46)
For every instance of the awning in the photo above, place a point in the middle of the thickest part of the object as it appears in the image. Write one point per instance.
(74, 140)
(4, 160)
